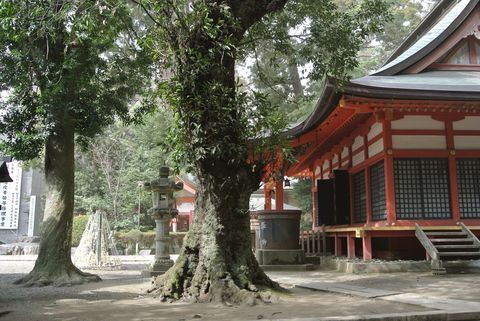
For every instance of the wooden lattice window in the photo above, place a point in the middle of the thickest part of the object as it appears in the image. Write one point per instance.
(377, 191)
(359, 198)
(422, 189)
(468, 180)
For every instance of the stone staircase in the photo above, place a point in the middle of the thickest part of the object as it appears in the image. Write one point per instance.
(443, 245)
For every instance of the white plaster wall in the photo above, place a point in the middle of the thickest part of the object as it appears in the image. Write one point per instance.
(317, 171)
(418, 122)
(469, 123)
(419, 142)
(375, 148)
(345, 163)
(375, 130)
(335, 159)
(186, 207)
(358, 158)
(357, 143)
(326, 164)
(326, 174)
(344, 152)
(467, 142)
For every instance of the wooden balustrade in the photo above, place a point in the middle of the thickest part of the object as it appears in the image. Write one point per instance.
(313, 243)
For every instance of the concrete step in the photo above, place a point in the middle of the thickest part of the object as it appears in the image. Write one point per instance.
(457, 246)
(445, 233)
(452, 240)
(470, 254)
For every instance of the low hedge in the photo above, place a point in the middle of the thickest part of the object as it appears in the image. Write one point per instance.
(146, 240)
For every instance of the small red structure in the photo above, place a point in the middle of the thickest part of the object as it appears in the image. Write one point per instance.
(401, 146)
(185, 204)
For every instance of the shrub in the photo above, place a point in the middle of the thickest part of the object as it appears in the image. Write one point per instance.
(145, 239)
(79, 224)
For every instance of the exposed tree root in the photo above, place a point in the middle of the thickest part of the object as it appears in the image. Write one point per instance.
(57, 277)
(194, 282)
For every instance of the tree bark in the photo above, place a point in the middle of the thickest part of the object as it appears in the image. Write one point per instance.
(54, 265)
(217, 262)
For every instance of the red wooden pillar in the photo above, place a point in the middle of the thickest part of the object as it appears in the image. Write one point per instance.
(338, 246)
(388, 168)
(351, 246)
(268, 198)
(452, 169)
(314, 200)
(367, 247)
(279, 195)
(190, 219)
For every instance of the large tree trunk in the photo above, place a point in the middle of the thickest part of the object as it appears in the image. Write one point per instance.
(217, 262)
(54, 265)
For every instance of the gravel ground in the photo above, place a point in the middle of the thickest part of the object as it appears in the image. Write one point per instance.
(121, 296)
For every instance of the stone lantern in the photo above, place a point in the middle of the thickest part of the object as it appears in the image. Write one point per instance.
(162, 211)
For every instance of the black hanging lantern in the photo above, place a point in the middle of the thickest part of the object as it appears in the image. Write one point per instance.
(4, 174)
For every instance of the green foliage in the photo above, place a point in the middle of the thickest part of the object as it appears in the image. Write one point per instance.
(273, 71)
(79, 224)
(217, 120)
(110, 169)
(62, 61)
(128, 239)
(302, 192)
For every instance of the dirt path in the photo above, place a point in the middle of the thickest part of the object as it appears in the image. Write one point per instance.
(121, 296)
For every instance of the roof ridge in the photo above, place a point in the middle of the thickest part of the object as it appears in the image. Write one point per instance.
(441, 25)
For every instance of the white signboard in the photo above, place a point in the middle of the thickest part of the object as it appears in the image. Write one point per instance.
(31, 215)
(10, 197)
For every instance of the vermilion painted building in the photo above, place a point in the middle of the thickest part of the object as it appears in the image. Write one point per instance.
(401, 146)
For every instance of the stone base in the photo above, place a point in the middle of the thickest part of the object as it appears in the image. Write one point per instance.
(280, 257)
(151, 274)
(159, 267)
(293, 268)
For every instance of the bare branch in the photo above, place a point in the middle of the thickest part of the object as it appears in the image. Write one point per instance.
(145, 9)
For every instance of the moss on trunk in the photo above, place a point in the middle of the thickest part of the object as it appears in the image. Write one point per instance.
(217, 262)
(54, 265)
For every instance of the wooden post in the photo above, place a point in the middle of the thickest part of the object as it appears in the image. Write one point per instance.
(279, 195)
(338, 246)
(452, 169)
(308, 242)
(302, 240)
(367, 247)
(351, 246)
(99, 237)
(319, 243)
(389, 171)
(268, 198)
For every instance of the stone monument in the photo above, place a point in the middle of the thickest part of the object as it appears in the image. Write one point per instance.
(163, 211)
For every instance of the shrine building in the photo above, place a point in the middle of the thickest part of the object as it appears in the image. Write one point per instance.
(401, 147)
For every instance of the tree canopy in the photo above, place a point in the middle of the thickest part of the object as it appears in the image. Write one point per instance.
(66, 57)
(227, 134)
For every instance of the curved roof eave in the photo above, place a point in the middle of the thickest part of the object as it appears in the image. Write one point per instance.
(436, 34)
(325, 105)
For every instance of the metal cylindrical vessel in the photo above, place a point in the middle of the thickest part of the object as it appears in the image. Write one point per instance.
(279, 229)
